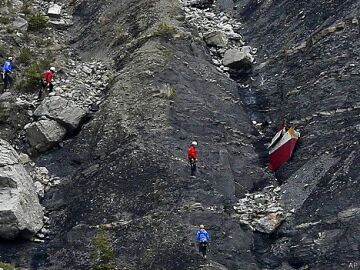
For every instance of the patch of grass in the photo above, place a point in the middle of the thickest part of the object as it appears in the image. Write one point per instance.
(167, 52)
(25, 56)
(168, 91)
(103, 254)
(7, 266)
(165, 30)
(37, 22)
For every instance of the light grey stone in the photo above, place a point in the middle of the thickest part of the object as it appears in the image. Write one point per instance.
(216, 38)
(20, 211)
(20, 24)
(44, 134)
(39, 188)
(54, 10)
(237, 59)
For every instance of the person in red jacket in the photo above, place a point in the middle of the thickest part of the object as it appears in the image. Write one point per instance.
(46, 82)
(192, 156)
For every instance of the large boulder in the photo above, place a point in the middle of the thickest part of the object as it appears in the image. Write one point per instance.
(64, 111)
(20, 211)
(44, 134)
(238, 59)
(216, 38)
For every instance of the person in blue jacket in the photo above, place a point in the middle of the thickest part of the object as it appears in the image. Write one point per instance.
(202, 238)
(7, 70)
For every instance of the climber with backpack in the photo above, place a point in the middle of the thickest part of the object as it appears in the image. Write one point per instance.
(6, 71)
(192, 156)
(202, 238)
(46, 82)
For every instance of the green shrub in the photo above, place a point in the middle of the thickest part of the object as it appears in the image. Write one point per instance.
(103, 254)
(164, 30)
(25, 56)
(37, 22)
(31, 79)
(7, 266)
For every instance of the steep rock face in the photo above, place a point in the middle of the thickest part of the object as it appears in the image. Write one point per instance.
(128, 169)
(20, 211)
(308, 73)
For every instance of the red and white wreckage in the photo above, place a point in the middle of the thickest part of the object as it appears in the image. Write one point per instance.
(281, 147)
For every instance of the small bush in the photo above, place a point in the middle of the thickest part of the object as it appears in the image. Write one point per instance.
(25, 56)
(31, 79)
(103, 254)
(7, 266)
(164, 30)
(38, 22)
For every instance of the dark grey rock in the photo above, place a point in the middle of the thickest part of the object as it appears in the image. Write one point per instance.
(64, 111)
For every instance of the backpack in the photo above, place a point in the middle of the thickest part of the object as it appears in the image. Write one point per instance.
(202, 237)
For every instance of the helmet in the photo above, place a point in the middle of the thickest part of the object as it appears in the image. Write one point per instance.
(53, 69)
(194, 143)
(10, 58)
(201, 226)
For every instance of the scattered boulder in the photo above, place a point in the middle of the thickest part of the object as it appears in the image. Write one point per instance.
(237, 59)
(54, 11)
(20, 24)
(44, 134)
(269, 223)
(64, 111)
(20, 211)
(216, 38)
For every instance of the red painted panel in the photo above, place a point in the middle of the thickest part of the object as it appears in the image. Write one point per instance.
(282, 154)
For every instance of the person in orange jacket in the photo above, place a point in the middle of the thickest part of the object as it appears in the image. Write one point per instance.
(192, 156)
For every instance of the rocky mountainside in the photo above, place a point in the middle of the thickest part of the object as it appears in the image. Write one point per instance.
(139, 80)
